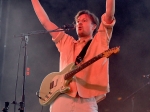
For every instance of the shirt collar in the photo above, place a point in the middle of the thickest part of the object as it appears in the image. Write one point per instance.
(82, 40)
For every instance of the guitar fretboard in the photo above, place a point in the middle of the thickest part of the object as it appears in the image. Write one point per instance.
(79, 68)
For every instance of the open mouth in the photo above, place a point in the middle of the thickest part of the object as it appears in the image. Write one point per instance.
(79, 28)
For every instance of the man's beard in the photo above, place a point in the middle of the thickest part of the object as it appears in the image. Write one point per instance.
(82, 34)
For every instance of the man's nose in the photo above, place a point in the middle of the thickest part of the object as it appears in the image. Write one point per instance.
(80, 22)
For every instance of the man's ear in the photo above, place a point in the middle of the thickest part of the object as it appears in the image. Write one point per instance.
(94, 26)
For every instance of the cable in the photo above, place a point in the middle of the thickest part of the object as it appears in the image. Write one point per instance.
(42, 109)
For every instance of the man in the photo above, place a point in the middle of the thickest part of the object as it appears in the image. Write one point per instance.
(90, 85)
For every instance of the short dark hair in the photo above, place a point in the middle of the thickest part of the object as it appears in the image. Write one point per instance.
(92, 16)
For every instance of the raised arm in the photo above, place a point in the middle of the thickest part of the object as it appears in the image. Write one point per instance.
(43, 17)
(110, 11)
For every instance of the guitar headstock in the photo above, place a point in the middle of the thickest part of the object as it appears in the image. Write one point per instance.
(111, 51)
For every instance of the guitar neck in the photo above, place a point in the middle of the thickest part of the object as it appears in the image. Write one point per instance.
(84, 65)
(106, 54)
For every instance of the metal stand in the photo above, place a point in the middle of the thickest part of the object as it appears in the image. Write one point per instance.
(25, 38)
(22, 103)
(5, 109)
(41, 32)
(132, 95)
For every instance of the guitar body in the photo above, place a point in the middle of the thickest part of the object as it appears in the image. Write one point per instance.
(53, 85)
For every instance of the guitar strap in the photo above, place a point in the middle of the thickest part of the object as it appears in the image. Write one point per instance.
(80, 57)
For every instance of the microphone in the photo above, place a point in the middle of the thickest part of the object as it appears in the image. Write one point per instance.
(68, 27)
(146, 76)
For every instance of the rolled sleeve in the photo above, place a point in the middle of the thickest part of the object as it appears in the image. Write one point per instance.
(58, 37)
(110, 25)
(105, 30)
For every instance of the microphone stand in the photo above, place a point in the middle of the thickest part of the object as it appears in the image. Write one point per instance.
(42, 32)
(132, 95)
(25, 70)
(22, 103)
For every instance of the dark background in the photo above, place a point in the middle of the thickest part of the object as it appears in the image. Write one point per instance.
(127, 68)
